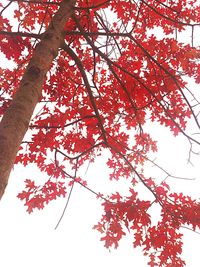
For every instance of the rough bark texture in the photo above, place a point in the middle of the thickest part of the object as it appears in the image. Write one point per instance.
(16, 120)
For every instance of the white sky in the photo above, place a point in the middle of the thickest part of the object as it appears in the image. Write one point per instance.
(30, 240)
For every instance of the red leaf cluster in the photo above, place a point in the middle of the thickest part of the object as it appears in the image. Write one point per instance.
(37, 196)
(162, 242)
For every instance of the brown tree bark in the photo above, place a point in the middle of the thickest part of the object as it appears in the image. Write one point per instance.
(15, 121)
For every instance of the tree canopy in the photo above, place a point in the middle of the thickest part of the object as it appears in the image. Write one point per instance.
(98, 71)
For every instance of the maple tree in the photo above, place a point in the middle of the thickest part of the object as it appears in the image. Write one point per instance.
(97, 71)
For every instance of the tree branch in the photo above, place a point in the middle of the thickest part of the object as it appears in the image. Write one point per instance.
(85, 79)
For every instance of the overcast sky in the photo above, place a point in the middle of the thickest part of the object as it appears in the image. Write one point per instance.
(30, 240)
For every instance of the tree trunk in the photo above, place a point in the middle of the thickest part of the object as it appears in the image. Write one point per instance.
(15, 121)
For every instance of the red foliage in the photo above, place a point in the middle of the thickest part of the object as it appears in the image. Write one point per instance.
(36, 196)
(118, 71)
